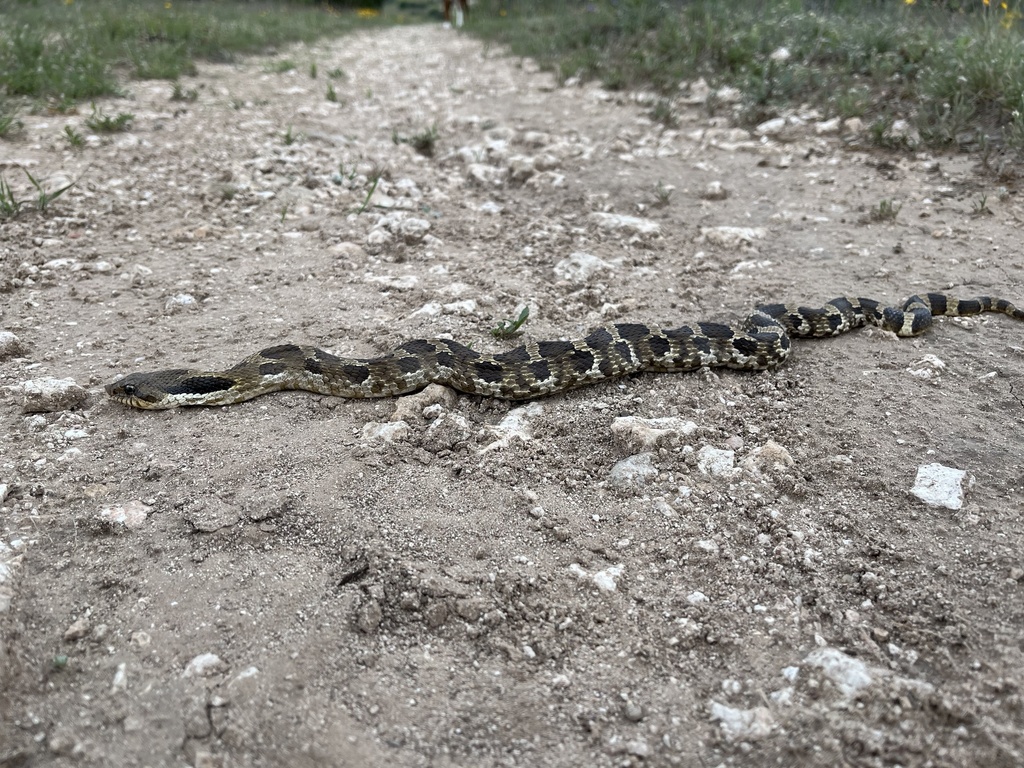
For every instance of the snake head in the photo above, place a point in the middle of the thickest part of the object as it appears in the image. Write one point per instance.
(140, 390)
(177, 386)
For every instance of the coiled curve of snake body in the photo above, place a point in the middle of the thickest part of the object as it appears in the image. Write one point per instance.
(760, 342)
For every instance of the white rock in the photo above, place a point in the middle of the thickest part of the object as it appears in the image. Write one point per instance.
(828, 126)
(697, 91)
(10, 559)
(646, 433)
(732, 237)
(633, 470)
(770, 457)
(780, 55)
(10, 346)
(400, 283)
(715, 462)
(488, 175)
(771, 127)
(696, 598)
(514, 427)
(378, 237)
(928, 367)
(520, 168)
(180, 302)
(940, 486)
(204, 665)
(387, 432)
(464, 307)
(742, 724)
(414, 230)
(853, 125)
(129, 515)
(617, 221)
(348, 250)
(120, 681)
(430, 309)
(78, 629)
(849, 674)
(715, 191)
(47, 395)
(605, 580)
(729, 95)
(579, 267)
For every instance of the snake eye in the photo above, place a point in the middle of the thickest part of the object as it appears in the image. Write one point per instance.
(129, 389)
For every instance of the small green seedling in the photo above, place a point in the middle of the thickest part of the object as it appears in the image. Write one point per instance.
(508, 328)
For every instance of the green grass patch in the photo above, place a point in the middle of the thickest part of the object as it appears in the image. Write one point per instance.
(952, 69)
(11, 205)
(67, 51)
(100, 122)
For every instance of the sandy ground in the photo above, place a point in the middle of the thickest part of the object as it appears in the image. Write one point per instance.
(301, 580)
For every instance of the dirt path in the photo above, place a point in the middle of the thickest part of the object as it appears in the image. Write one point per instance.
(286, 582)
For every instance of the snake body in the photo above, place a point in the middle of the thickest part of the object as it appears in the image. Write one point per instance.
(760, 342)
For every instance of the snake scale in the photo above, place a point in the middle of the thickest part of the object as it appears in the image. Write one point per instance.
(760, 342)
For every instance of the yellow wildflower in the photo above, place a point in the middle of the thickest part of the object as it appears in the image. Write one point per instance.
(367, 13)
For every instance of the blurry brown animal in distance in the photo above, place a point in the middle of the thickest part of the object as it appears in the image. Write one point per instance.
(461, 12)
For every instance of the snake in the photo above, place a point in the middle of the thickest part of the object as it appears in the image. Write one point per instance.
(759, 342)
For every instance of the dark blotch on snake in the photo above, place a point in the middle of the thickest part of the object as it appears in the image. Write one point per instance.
(201, 385)
(281, 351)
(517, 355)
(272, 369)
(489, 371)
(659, 345)
(539, 369)
(598, 339)
(357, 374)
(835, 322)
(408, 364)
(747, 347)
(313, 366)
(582, 361)
(716, 330)
(624, 351)
(445, 359)
(418, 347)
(632, 331)
(553, 348)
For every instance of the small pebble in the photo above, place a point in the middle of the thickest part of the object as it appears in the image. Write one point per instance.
(204, 665)
(79, 629)
(633, 712)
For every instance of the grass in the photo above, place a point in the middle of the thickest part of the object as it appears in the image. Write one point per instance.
(63, 51)
(886, 210)
(11, 206)
(181, 93)
(953, 70)
(100, 122)
(374, 180)
(506, 329)
(423, 142)
(75, 139)
(9, 122)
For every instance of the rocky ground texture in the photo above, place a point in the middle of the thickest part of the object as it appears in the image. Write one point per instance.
(680, 569)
